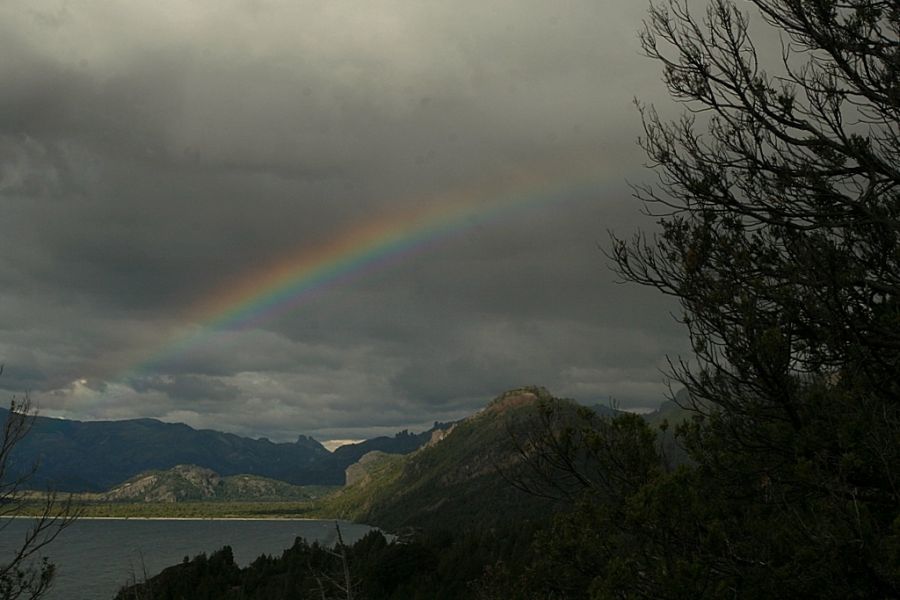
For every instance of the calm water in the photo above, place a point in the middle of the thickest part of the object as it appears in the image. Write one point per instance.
(96, 557)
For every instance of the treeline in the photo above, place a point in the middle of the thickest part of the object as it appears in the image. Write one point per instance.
(432, 565)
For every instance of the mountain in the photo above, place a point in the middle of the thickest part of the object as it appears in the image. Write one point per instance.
(450, 502)
(190, 482)
(460, 476)
(92, 456)
(401, 443)
(471, 471)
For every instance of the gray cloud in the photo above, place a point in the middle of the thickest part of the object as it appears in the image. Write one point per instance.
(188, 388)
(155, 155)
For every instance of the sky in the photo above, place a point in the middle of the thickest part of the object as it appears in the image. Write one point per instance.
(166, 165)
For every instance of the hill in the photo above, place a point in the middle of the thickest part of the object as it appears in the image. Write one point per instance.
(190, 482)
(465, 473)
(460, 476)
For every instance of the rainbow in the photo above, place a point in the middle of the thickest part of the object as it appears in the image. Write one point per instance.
(284, 285)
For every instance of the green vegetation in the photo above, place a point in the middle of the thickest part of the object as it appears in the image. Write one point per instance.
(189, 482)
(199, 510)
(487, 539)
(460, 481)
(353, 502)
(190, 510)
(779, 234)
(435, 565)
(187, 491)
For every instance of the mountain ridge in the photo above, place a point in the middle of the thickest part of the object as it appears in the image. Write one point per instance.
(474, 469)
(92, 456)
(457, 477)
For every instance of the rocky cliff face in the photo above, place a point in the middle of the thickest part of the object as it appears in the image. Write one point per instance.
(359, 473)
(437, 435)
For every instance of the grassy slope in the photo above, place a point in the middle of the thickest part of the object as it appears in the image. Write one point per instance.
(452, 482)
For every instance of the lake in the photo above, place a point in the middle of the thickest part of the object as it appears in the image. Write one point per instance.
(95, 557)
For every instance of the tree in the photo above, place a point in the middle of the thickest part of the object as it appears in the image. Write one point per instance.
(344, 584)
(24, 576)
(778, 205)
(779, 212)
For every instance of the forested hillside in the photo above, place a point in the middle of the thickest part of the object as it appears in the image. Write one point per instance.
(465, 475)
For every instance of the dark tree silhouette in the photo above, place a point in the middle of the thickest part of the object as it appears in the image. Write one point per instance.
(780, 219)
(778, 213)
(778, 203)
(27, 574)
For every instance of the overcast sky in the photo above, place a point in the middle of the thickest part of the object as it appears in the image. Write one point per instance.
(153, 154)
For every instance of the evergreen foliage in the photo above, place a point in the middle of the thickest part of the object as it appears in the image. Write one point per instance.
(779, 209)
(432, 565)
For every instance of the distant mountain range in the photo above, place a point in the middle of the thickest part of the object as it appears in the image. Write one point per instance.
(97, 456)
(93, 456)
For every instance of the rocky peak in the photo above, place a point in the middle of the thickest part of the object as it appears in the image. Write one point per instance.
(515, 398)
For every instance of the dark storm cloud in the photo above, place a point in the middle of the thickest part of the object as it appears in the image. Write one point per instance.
(155, 154)
(187, 388)
(599, 363)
